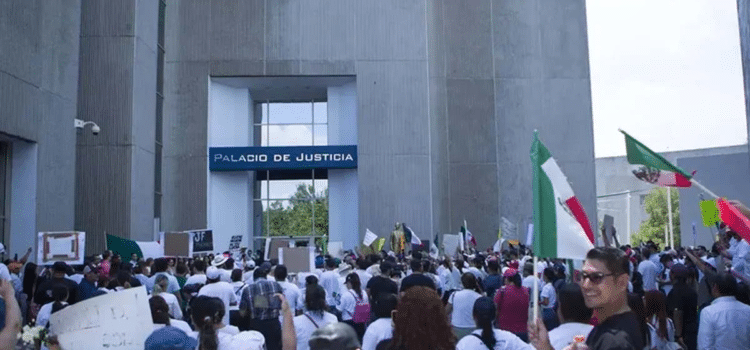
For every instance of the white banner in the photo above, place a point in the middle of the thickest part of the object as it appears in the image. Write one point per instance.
(530, 236)
(509, 229)
(369, 238)
(120, 320)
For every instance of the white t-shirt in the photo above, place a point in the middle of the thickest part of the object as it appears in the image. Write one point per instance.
(77, 278)
(504, 341)
(172, 287)
(364, 276)
(528, 282)
(564, 334)
(292, 294)
(42, 317)
(463, 307)
(248, 340)
(4, 273)
(226, 275)
(548, 291)
(656, 341)
(648, 271)
(229, 329)
(305, 328)
(223, 291)
(181, 325)
(196, 279)
(381, 329)
(348, 302)
(174, 306)
(329, 280)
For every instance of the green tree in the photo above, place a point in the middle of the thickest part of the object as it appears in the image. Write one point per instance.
(655, 206)
(296, 218)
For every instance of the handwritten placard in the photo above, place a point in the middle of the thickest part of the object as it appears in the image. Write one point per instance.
(120, 320)
(60, 246)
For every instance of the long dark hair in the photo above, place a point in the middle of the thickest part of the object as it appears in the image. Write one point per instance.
(635, 302)
(353, 279)
(206, 314)
(315, 299)
(60, 295)
(29, 279)
(413, 331)
(159, 310)
(484, 313)
(656, 305)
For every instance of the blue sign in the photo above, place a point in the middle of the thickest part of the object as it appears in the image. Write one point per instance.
(281, 158)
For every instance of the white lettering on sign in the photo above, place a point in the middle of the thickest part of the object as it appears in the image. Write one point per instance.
(244, 158)
(324, 157)
(284, 158)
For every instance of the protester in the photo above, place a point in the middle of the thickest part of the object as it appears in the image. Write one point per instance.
(548, 298)
(329, 280)
(160, 315)
(681, 306)
(315, 315)
(238, 286)
(648, 270)
(43, 294)
(661, 327)
(412, 330)
(417, 277)
(635, 303)
(160, 288)
(12, 317)
(199, 273)
(260, 308)
(461, 303)
(725, 324)
(160, 268)
(512, 305)
(335, 336)
(494, 339)
(604, 283)
(60, 295)
(87, 287)
(362, 265)
(381, 284)
(219, 289)
(382, 328)
(493, 281)
(574, 317)
(291, 291)
(207, 317)
(355, 305)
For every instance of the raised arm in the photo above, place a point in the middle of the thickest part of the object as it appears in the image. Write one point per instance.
(288, 334)
(9, 334)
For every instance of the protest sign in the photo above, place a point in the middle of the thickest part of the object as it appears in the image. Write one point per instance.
(177, 244)
(234, 243)
(508, 228)
(298, 259)
(451, 243)
(336, 249)
(120, 321)
(530, 235)
(369, 237)
(60, 246)
(203, 241)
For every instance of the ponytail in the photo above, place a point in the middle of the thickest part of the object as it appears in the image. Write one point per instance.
(207, 338)
(206, 313)
(488, 334)
(484, 312)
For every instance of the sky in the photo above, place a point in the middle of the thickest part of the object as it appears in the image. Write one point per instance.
(668, 72)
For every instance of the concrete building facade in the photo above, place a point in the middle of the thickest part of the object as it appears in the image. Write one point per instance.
(441, 98)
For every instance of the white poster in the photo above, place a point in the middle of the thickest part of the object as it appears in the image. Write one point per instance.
(530, 236)
(509, 229)
(369, 238)
(60, 246)
(119, 321)
(451, 244)
(336, 249)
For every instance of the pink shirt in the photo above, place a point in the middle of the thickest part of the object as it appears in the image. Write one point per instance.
(512, 308)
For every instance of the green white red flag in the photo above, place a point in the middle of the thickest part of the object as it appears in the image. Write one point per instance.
(561, 227)
(655, 169)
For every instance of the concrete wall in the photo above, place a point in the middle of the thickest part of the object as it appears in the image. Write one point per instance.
(448, 94)
(743, 11)
(38, 91)
(117, 90)
(725, 175)
(614, 175)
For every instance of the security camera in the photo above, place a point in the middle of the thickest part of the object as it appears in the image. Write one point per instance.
(80, 124)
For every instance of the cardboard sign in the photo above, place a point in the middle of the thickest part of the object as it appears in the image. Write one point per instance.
(299, 259)
(60, 246)
(120, 321)
(203, 241)
(451, 244)
(178, 244)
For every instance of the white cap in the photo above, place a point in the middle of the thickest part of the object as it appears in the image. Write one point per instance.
(213, 273)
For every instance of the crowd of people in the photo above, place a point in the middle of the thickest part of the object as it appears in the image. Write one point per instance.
(640, 297)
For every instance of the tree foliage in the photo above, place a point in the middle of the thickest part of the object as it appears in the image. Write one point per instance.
(655, 205)
(295, 216)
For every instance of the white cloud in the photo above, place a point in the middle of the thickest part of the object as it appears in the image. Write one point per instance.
(669, 72)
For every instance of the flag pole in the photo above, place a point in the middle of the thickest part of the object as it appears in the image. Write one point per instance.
(703, 188)
(536, 290)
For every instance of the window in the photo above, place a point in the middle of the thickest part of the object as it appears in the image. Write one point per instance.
(294, 203)
(4, 191)
(158, 142)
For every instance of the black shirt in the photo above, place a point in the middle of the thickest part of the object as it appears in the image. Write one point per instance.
(417, 279)
(619, 332)
(43, 293)
(684, 298)
(379, 285)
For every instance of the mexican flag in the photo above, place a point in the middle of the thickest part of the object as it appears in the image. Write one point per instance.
(411, 236)
(467, 236)
(734, 218)
(126, 247)
(655, 169)
(561, 227)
